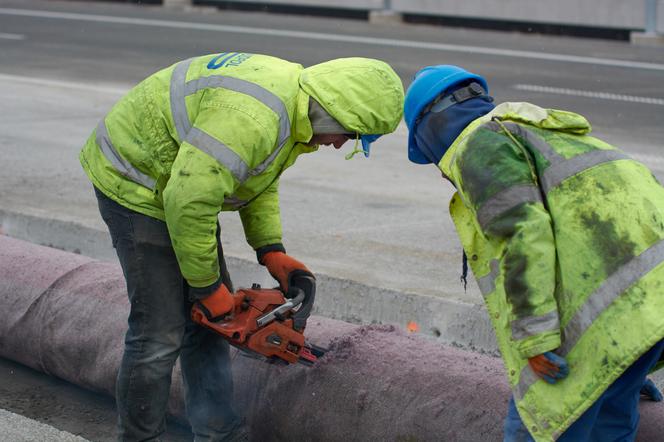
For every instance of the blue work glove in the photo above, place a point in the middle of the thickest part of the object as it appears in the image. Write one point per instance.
(651, 391)
(549, 366)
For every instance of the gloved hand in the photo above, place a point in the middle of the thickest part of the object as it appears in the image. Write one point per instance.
(549, 366)
(651, 391)
(285, 269)
(216, 305)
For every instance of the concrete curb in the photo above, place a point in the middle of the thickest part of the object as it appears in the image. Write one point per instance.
(451, 322)
(646, 39)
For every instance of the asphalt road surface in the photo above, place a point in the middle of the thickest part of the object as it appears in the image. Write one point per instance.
(616, 85)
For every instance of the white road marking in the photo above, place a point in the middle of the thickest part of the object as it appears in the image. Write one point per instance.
(64, 84)
(6, 36)
(589, 94)
(357, 39)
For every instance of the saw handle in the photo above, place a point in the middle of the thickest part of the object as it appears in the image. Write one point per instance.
(300, 294)
(305, 284)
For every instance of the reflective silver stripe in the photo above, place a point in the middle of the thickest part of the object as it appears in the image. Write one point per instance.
(532, 325)
(559, 168)
(180, 89)
(123, 166)
(196, 137)
(265, 164)
(526, 379)
(558, 172)
(505, 200)
(529, 137)
(611, 288)
(487, 283)
(177, 95)
(532, 139)
(248, 88)
(219, 151)
(597, 302)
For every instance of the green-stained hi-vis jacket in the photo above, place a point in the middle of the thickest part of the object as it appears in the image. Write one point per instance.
(564, 234)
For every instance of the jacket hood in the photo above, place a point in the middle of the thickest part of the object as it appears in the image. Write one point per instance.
(364, 95)
(552, 119)
(526, 113)
(321, 121)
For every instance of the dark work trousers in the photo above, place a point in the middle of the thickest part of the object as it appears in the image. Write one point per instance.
(160, 330)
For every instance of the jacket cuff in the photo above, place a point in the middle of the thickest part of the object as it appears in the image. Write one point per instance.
(198, 293)
(262, 251)
(536, 345)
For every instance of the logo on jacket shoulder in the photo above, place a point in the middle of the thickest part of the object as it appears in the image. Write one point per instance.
(228, 59)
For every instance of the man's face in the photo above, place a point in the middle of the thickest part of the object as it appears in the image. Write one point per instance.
(336, 140)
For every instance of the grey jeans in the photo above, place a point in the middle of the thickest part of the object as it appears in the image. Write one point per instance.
(160, 329)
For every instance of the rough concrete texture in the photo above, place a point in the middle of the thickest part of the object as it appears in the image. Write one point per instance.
(17, 428)
(379, 383)
(65, 315)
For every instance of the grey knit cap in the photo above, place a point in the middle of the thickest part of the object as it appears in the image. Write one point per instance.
(322, 122)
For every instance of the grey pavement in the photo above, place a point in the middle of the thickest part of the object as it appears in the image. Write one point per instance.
(17, 428)
(59, 404)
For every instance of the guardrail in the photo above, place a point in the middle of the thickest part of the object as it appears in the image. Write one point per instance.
(629, 15)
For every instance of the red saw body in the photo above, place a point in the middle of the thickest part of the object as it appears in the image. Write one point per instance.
(266, 323)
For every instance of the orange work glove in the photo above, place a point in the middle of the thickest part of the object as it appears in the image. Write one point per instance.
(549, 366)
(217, 305)
(283, 268)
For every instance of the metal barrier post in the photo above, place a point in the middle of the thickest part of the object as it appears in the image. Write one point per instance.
(653, 34)
(651, 17)
(385, 15)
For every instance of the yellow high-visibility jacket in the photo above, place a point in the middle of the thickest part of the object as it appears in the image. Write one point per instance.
(565, 236)
(215, 132)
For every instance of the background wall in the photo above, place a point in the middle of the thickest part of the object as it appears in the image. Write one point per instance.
(619, 14)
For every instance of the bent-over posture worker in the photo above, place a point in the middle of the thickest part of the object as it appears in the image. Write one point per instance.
(205, 135)
(565, 236)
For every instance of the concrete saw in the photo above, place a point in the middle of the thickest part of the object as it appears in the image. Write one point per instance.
(268, 324)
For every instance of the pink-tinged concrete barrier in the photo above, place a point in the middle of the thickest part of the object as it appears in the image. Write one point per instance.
(65, 315)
